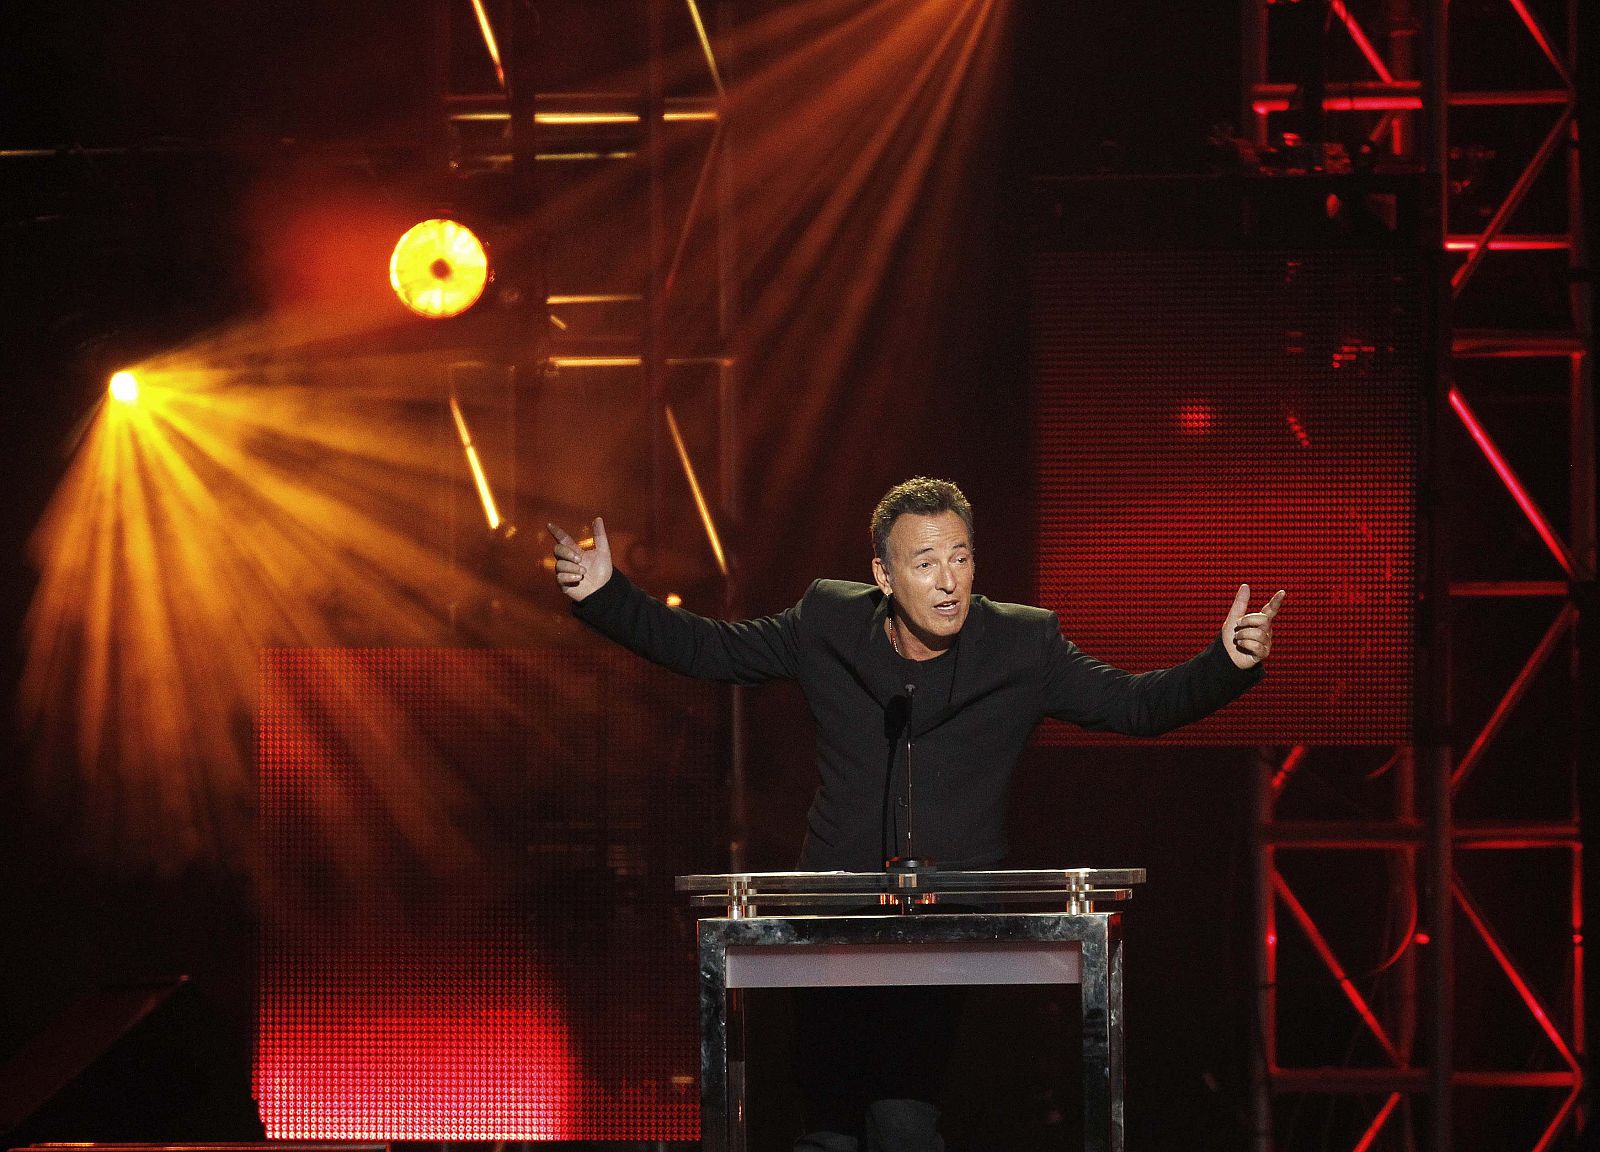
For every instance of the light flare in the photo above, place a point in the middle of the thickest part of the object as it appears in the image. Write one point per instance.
(439, 268)
(214, 518)
(124, 387)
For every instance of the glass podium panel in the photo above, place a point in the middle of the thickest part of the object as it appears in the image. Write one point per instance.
(820, 929)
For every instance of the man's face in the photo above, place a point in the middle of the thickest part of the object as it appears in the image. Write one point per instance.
(929, 573)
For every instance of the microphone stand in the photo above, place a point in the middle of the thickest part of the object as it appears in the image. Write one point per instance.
(908, 861)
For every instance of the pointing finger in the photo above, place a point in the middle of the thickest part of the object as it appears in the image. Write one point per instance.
(1271, 608)
(560, 535)
(600, 542)
(1241, 600)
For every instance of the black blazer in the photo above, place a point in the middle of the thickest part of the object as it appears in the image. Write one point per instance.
(1012, 667)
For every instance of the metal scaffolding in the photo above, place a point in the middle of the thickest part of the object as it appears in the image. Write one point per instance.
(514, 131)
(1397, 84)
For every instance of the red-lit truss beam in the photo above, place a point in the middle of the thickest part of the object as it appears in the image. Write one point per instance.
(1325, 954)
(1401, 833)
(1401, 1076)
(1572, 1080)
(1564, 623)
(1400, 96)
(1382, 95)
(1519, 493)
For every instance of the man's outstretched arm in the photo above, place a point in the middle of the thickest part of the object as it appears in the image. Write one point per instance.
(742, 652)
(1095, 695)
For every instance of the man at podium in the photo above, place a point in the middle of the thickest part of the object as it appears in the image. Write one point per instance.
(924, 696)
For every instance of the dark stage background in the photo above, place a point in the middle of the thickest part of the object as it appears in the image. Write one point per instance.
(235, 108)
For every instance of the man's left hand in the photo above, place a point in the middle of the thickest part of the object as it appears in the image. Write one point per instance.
(1247, 635)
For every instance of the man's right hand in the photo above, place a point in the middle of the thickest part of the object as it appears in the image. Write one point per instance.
(581, 572)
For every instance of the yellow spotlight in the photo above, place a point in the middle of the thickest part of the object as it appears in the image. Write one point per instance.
(124, 387)
(674, 600)
(439, 269)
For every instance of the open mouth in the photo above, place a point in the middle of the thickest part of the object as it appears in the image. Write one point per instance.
(947, 607)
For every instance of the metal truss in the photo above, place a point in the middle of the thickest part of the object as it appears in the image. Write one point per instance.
(1389, 97)
(507, 128)
(512, 129)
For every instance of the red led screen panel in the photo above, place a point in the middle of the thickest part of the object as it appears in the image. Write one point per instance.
(1207, 418)
(469, 929)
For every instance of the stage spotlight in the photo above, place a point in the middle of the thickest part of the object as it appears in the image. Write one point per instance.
(439, 269)
(124, 387)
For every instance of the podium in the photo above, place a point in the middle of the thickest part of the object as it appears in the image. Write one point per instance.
(927, 927)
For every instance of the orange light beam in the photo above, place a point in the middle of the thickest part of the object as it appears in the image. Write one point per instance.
(699, 497)
(950, 56)
(489, 41)
(142, 638)
(485, 495)
(1508, 477)
(705, 46)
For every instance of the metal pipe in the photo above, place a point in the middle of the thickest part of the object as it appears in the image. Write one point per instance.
(655, 157)
(1264, 1052)
(1253, 63)
(731, 478)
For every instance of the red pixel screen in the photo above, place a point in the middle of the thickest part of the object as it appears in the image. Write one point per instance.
(469, 929)
(1210, 418)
